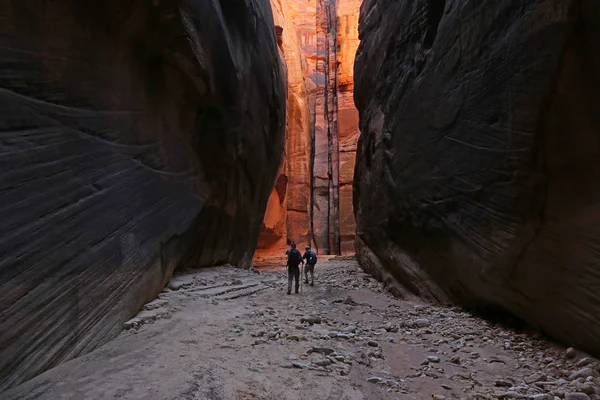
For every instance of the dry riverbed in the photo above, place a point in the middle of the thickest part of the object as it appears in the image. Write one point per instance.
(224, 333)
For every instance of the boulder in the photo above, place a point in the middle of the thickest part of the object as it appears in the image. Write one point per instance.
(476, 178)
(135, 137)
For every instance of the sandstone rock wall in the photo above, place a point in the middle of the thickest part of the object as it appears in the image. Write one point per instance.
(479, 156)
(328, 35)
(287, 213)
(319, 41)
(135, 137)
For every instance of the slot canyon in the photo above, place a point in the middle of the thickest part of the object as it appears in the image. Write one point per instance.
(158, 158)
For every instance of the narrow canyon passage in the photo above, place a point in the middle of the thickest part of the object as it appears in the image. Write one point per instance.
(222, 333)
(158, 157)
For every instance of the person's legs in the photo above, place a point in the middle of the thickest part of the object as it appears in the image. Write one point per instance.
(312, 275)
(290, 278)
(306, 273)
(297, 275)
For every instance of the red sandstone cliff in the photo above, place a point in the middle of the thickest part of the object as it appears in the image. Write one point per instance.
(313, 200)
(287, 215)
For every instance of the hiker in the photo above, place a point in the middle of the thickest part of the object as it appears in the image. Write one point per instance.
(311, 259)
(294, 260)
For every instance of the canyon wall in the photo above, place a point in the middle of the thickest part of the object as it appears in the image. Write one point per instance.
(136, 137)
(477, 170)
(287, 214)
(319, 209)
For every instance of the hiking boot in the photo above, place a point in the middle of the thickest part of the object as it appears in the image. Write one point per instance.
(296, 291)
(312, 284)
(289, 292)
(306, 281)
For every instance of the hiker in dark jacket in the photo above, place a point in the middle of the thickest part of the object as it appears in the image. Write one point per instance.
(311, 259)
(294, 260)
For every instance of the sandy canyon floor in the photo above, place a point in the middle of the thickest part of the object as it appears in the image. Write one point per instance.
(224, 333)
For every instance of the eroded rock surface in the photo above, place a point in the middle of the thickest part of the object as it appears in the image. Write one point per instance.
(135, 136)
(287, 215)
(477, 167)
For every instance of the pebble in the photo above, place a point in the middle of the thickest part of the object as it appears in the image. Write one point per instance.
(349, 329)
(447, 387)
(324, 302)
(421, 323)
(503, 383)
(571, 353)
(455, 360)
(391, 340)
(373, 343)
(287, 365)
(511, 395)
(322, 363)
(260, 341)
(543, 396)
(433, 359)
(584, 362)
(322, 350)
(583, 373)
(374, 379)
(576, 396)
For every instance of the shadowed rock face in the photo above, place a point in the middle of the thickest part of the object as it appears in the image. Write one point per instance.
(478, 162)
(135, 137)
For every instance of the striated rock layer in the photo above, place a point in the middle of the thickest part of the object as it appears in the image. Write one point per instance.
(135, 137)
(479, 156)
(287, 215)
(328, 35)
(312, 201)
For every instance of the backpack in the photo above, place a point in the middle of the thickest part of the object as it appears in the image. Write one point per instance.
(313, 257)
(294, 258)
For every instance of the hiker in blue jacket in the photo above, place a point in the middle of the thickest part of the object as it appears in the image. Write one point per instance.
(294, 260)
(311, 259)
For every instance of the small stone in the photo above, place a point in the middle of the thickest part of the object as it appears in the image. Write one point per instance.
(587, 389)
(322, 363)
(474, 354)
(542, 396)
(343, 336)
(433, 359)
(293, 337)
(584, 362)
(311, 320)
(447, 387)
(511, 395)
(391, 340)
(455, 360)
(349, 329)
(260, 341)
(535, 378)
(374, 379)
(571, 353)
(421, 323)
(321, 350)
(324, 302)
(438, 397)
(286, 365)
(583, 373)
(503, 383)
(576, 396)
(236, 282)
(373, 343)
